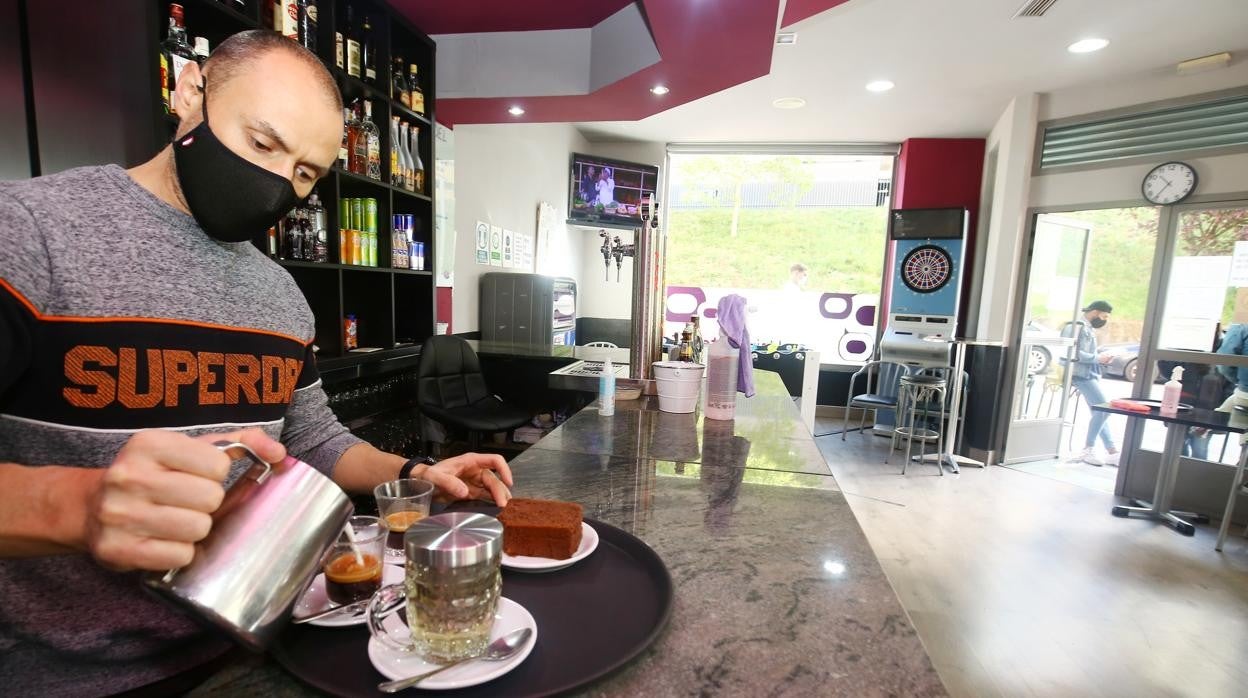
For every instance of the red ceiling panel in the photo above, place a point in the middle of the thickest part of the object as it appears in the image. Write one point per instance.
(797, 10)
(704, 47)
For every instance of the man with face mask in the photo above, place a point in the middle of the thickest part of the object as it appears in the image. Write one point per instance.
(124, 358)
(1086, 378)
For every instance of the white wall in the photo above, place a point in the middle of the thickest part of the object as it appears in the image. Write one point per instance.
(501, 173)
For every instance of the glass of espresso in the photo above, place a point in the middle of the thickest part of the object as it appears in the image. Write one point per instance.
(400, 504)
(353, 568)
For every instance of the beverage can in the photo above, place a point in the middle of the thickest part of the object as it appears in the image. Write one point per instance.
(357, 214)
(370, 215)
(372, 249)
(409, 224)
(344, 214)
(412, 257)
(355, 246)
(420, 256)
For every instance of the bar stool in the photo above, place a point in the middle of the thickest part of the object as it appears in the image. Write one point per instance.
(918, 396)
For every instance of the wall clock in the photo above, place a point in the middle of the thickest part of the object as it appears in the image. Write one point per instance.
(1169, 183)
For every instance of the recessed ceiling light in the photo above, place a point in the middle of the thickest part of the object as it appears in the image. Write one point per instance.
(789, 103)
(786, 38)
(659, 89)
(1087, 45)
(516, 111)
(880, 85)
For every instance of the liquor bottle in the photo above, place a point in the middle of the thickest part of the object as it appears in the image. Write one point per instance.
(353, 45)
(286, 18)
(175, 53)
(307, 24)
(418, 166)
(318, 225)
(418, 95)
(696, 338)
(396, 162)
(405, 157)
(686, 345)
(201, 50)
(370, 53)
(338, 50)
(344, 150)
(359, 144)
(372, 143)
(398, 85)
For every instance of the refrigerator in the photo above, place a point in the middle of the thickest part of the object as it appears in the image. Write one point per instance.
(529, 309)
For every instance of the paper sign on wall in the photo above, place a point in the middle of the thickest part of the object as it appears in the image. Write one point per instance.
(509, 250)
(483, 242)
(496, 246)
(1239, 265)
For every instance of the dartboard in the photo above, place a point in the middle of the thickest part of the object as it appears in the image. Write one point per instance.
(926, 269)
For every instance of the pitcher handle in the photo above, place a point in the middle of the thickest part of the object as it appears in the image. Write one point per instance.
(225, 446)
(385, 602)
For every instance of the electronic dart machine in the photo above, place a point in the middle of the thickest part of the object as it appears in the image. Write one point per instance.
(926, 285)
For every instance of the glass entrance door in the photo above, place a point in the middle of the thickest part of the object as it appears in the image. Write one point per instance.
(1042, 386)
(1200, 323)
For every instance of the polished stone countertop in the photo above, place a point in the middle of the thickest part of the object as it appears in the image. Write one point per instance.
(548, 351)
(777, 591)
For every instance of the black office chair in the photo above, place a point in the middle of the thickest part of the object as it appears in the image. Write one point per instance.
(452, 391)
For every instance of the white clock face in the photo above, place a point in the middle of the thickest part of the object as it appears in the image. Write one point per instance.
(1169, 183)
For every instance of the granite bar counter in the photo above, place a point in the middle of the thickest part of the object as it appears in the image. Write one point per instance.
(778, 592)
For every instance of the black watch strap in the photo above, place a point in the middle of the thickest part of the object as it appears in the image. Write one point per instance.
(406, 471)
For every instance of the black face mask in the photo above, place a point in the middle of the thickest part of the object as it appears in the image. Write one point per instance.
(232, 199)
(1097, 322)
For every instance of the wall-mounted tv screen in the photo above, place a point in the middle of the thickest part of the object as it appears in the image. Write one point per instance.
(605, 192)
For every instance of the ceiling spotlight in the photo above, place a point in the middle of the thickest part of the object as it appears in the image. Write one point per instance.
(786, 38)
(789, 103)
(516, 110)
(880, 85)
(659, 90)
(1087, 45)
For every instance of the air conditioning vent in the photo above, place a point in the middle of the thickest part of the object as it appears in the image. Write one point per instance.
(1034, 8)
(1217, 123)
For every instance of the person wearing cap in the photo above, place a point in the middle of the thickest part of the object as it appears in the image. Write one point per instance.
(1086, 377)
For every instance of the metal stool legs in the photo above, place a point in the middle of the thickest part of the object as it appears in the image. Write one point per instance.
(914, 403)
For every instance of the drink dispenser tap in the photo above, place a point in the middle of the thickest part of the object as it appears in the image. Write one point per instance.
(605, 249)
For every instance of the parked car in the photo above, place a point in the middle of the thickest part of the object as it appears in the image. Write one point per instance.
(1039, 357)
(1124, 362)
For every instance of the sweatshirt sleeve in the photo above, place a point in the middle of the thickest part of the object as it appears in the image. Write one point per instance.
(1232, 343)
(311, 432)
(25, 287)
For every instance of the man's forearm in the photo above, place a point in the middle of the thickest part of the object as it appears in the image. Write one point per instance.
(43, 510)
(362, 467)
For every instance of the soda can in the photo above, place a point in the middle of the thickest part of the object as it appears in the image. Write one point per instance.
(344, 214)
(409, 224)
(420, 256)
(357, 214)
(372, 249)
(412, 258)
(370, 215)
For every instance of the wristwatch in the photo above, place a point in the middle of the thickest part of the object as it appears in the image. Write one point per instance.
(406, 471)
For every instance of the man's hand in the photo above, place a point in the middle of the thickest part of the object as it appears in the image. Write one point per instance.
(155, 501)
(1104, 358)
(471, 476)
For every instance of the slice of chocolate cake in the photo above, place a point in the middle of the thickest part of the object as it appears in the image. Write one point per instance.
(541, 528)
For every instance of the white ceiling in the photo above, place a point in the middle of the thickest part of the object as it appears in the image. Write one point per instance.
(956, 63)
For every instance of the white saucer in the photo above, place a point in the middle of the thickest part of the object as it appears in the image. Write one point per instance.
(525, 563)
(392, 664)
(315, 601)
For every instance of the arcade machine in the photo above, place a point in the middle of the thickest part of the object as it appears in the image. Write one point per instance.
(923, 307)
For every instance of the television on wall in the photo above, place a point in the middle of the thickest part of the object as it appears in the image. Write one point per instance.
(608, 193)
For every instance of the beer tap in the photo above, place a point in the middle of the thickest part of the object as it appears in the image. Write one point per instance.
(614, 248)
(605, 249)
(619, 250)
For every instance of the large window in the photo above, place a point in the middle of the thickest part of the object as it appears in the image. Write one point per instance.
(801, 237)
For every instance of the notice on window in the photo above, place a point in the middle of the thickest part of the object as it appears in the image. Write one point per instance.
(1239, 265)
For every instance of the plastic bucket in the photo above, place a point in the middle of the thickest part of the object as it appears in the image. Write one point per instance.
(679, 385)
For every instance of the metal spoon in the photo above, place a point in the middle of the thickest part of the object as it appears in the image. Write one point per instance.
(356, 608)
(502, 648)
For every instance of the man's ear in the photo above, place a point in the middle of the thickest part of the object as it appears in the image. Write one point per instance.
(188, 96)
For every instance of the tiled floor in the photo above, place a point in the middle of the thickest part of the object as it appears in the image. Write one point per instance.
(1024, 585)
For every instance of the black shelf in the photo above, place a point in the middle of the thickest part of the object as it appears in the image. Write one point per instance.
(301, 264)
(345, 360)
(408, 113)
(369, 181)
(225, 8)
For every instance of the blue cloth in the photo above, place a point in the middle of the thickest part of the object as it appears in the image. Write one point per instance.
(1085, 364)
(731, 317)
(1090, 388)
(1233, 343)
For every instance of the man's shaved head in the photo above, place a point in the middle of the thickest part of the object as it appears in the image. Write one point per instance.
(234, 55)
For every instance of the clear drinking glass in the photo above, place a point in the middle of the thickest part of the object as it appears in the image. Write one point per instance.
(348, 577)
(401, 503)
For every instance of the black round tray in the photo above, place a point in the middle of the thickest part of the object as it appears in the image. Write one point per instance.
(592, 618)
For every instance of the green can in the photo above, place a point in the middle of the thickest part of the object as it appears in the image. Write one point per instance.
(344, 214)
(357, 214)
(370, 215)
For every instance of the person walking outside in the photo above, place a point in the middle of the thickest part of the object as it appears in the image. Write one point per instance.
(1087, 379)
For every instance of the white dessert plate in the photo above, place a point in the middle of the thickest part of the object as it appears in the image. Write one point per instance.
(525, 563)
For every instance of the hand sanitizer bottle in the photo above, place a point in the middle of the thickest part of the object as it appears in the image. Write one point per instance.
(1171, 392)
(606, 390)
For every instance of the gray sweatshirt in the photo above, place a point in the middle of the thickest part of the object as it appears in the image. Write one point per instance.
(118, 313)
